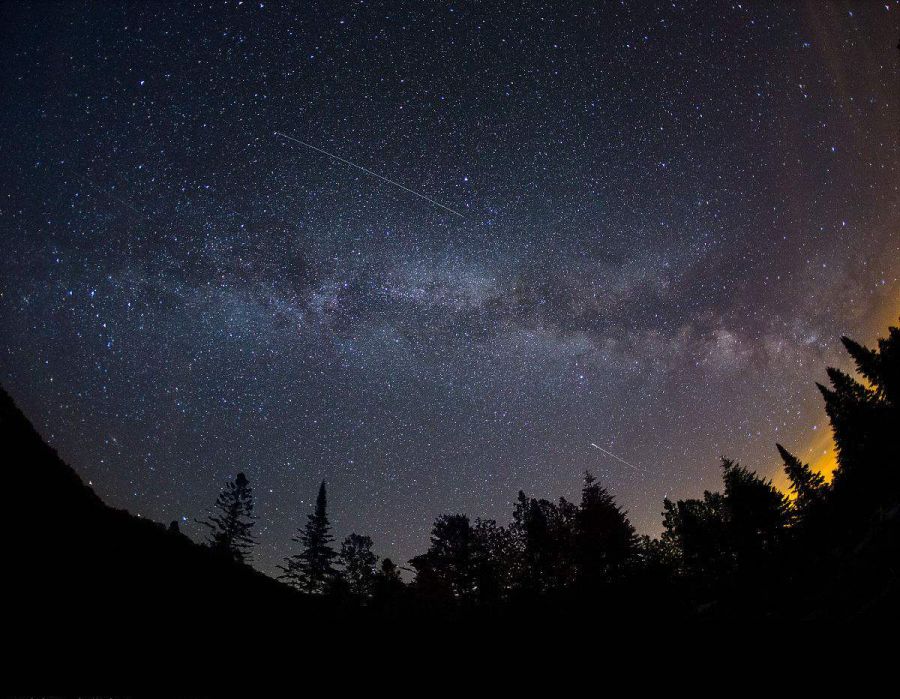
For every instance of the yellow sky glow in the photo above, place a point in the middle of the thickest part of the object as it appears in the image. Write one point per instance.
(820, 453)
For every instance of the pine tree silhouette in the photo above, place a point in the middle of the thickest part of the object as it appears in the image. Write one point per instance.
(232, 524)
(729, 529)
(809, 487)
(312, 570)
(864, 422)
(604, 538)
(880, 367)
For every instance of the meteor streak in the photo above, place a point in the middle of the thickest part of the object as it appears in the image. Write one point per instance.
(609, 453)
(369, 172)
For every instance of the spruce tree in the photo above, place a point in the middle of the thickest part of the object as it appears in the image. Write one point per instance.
(864, 420)
(880, 367)
(756, 512)
(725, 530)
(604, 538)
(809, 487)
(312, 569)
(231, 523)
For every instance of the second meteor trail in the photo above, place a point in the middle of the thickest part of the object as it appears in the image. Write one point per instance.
(369, 172)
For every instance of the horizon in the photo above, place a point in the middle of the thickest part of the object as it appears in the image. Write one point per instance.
(504, 250)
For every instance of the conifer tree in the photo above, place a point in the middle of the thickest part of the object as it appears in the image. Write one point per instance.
(809, 487)
(864, 421)
(756, 511)
(231, 523)
(880, 367)
(604, 538)
(728, 529)
(312, 569)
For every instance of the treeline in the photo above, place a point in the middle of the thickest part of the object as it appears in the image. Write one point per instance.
(747, 538)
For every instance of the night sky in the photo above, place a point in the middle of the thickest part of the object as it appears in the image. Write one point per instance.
(658, 223)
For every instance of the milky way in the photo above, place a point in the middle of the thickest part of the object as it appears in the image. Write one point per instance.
(668, 217)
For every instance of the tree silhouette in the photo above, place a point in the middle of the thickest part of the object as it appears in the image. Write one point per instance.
(311, 569)
(864, 422)
(493, 559)
(544, 534)
(388, 588)
(448, 567)
(756, 512)
(358, 563)
(389, 570)
(880, 367)
(604, 538)
(809, 488)
(694, 533)
(232, 521)
(734, 553)
(724, 530)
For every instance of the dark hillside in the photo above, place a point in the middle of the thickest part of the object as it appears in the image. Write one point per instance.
(96, 584)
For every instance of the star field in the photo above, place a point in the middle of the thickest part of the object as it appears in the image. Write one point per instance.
(669, 216)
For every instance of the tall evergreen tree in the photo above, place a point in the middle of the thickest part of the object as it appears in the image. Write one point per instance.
(604, 538)
(231, 523)
(728, 529)
(756, 512)
(864, 421)
(809, 487)
(880, 367)
(312, 569)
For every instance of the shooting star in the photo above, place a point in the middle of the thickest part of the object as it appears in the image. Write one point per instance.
(617, 458)
(369, 172)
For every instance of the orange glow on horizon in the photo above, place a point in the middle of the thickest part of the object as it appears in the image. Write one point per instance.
(820, 455)
(820, 452)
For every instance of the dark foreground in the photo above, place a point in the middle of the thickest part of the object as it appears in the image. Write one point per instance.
(95, 588)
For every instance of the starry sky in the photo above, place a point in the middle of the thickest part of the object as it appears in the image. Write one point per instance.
(659, 219)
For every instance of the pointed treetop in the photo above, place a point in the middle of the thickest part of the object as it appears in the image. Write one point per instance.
(808, 486)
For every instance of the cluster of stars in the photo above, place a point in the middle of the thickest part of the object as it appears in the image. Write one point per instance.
(668, 216)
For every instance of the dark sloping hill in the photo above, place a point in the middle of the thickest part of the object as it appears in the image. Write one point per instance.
(89, 584)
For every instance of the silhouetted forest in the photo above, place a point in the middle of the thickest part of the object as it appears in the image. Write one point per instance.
(825, 549)
(828, 550)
